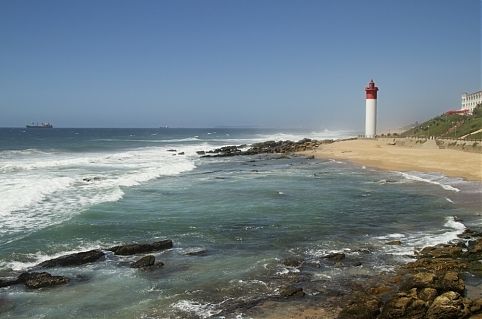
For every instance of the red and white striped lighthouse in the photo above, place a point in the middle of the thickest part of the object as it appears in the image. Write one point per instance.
(371, 110)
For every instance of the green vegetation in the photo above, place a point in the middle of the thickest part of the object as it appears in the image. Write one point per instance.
(450, 126)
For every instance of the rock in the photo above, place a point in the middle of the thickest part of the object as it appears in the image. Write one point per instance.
(293, 261)
(156, 266)
(394, 242)
(436, 265)
(292, 291)
(198, 252)
(469, 234)
(452, 281)
(419, 280)
(476, 306)
(172, 150)
(361, 307)
(200, 152)
(268, 147)
(73, 259)
(145, 261)
(404, 305)
(428, 294)
(337, 257)
(476, 247)
(132, 249)
(442, 251)
(447, 306)
(180, 153)
(381, 290)
(448, 281)
(8, 282)
(35, 280)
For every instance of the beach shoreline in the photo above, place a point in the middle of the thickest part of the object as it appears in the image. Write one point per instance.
(403, 155)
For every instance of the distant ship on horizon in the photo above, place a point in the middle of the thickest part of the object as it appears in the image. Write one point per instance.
(39, 125)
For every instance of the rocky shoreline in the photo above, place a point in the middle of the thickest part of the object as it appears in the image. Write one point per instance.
(268, 147)
(431, 287)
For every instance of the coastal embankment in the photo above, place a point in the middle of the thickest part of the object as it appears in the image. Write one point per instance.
(404, 154)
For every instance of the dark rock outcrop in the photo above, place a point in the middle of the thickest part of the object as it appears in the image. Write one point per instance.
(73, 259)
(145, 261)
(268, 147)
(35, 280)
(8, 282)
(132, 249)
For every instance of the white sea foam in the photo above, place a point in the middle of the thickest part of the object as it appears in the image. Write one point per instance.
(450, 231)
(32, 259)
(205, 310)
(319, 135)
(440, 180)
(45, 188)
(391, 236)
(174, 140)
(326, 134)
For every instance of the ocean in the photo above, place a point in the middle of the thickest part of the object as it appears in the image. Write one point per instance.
(234, 221)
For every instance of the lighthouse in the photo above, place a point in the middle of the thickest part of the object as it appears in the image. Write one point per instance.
(371, 110)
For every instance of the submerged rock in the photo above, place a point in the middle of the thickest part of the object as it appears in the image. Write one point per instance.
(35, 280)
(337, 257)
(132, 249)
(293, 261)
(394, 242)
(8, 282)
(73, 259)
(196, 252)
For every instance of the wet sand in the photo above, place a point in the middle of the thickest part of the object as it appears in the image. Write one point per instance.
(404, 155)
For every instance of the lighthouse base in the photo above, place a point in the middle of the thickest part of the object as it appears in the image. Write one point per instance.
(371, 118)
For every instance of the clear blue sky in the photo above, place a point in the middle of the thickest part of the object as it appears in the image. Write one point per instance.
(203, 63)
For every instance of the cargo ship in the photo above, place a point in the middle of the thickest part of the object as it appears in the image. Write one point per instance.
(39, 125)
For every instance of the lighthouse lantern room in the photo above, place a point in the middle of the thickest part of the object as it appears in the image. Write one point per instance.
(371, 110)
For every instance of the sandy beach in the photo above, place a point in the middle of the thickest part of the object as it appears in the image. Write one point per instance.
(404, 156)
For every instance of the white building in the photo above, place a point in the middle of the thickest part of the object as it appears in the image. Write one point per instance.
(471, 100)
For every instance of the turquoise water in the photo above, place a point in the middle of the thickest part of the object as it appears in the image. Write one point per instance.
(249, 213)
